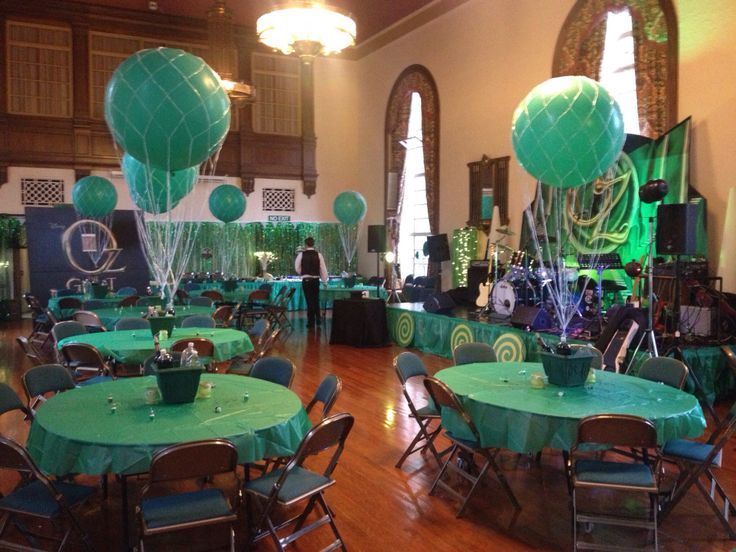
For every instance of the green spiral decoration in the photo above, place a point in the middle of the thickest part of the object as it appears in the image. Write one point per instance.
(509, 348)
(404, 330)
(460, 334)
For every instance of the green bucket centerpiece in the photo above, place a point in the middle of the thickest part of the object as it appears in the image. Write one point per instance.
(178, 384)
(567, 370)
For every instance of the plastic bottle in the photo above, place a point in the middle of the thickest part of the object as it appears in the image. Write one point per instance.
(164, 360)
(187, 353)
(193, 361)
(563, 348)
(543, 345)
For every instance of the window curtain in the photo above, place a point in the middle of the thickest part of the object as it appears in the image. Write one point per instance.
(579, 51)
(414, 78)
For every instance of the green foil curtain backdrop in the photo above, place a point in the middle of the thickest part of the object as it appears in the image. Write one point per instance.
(282, 239)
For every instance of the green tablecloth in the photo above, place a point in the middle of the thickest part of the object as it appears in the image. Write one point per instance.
(510, 413)
(75, 432)
(110, 316)
(134, 346)
(53, 304)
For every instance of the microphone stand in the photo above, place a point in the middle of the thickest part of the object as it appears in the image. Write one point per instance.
(649, 331)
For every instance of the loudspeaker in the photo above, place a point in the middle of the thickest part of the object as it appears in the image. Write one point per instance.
(676, 232)
(477, 275)
(376, 238)
(439, 248)
(440, 303)
(533, 318)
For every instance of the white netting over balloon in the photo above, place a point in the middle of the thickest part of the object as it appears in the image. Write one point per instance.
(350, 209)
(94, 199)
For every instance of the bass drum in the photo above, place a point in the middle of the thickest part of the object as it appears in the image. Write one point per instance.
(506, 295)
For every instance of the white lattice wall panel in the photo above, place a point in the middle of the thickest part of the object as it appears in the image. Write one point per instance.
(41, 191)
(279, 199)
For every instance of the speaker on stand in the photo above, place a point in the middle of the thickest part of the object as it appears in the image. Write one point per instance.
(377, 243)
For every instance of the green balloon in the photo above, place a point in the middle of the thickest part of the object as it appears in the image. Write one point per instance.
(156, 191)
(567, 131)
(227, 203)
(167, 108)
(94, 197)
(349, 207)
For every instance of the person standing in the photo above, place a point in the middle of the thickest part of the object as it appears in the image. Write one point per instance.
(310, 265)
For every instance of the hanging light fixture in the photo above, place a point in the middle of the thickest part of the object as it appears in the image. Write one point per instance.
(307, 28)
(223, 55)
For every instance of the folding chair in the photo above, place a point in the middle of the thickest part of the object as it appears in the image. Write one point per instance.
(201, 301)
(597, 354)
(29, 349)
(39, 499)
(89, 320)
(9, 401)
(588, 472)
(443, 397)
(92, 304)
(205, 348)
(294, 483)
(129, 301)
(223, 315)
(243, 365)
(666, 370)
(62, 330)
(253, 308)
(407, 366)
(132, 323)
(277, 311)
(40, 381)
(198, 321)
(127, 291)
(696, 462)
(326, 394)
(467, 353)
(67, 304)
(166, 508)
(278, 370)
(41, 321)
(86, 363)
(213, 294)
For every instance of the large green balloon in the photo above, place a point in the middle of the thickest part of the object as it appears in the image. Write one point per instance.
(94, 197)
(156, 191)
(567, 131)
(349, 207)
(227, 203)
(167, 108)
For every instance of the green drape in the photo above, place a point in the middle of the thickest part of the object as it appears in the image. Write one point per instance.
(241, 241)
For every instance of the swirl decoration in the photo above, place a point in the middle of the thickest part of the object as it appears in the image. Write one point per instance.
(404, 330)
(460, 334)
(509, 348)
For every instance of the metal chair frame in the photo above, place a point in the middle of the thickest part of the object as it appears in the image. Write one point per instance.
(667, 370)
(424, 417)
(44, 379)
(467, 353)
(129, 301)
(262, 369)
(443, 397)
(83, 357)
(614, 431)
(89, 320)
(326, 394)
(330, 433)
(212, 294)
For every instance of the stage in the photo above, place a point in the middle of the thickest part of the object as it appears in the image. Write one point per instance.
(409, 325)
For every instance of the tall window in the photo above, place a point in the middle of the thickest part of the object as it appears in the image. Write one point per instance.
(630, 46)
(618, 67)
(414, 218)
(277, 80)
(39, 59)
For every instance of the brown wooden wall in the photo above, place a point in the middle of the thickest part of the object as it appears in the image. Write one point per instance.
(84, 144)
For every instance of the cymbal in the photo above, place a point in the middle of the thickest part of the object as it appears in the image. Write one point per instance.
(505, 231)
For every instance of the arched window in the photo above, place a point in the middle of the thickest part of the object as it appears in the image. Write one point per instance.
(412, 159)
(594, 26)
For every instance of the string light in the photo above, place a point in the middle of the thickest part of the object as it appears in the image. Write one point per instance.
(464, 244)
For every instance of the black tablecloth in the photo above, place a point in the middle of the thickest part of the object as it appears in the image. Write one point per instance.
(359, 322)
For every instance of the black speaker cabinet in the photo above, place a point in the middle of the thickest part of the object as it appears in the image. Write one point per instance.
(439, 248)
(533, 318)
(440, 303)
(676, 232)
(376, 238)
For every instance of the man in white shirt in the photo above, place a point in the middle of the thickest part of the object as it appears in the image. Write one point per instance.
(310, 265)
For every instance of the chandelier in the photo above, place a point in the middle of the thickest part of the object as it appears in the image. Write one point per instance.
(307, 28)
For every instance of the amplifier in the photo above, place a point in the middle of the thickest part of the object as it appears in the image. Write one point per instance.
(694, 270)
(480, 263)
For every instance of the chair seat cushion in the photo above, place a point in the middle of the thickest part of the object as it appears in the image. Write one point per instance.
(185, 508)
(427, 410)
(35, 498)
(465, 443)
(690, 450)
(614, 473)
(300, 482)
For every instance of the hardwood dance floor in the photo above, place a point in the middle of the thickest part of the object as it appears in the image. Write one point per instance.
(380, 507)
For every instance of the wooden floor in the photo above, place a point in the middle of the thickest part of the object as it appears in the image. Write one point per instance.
(380, 507)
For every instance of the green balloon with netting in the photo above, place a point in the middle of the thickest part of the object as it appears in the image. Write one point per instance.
(349, 207)
(227, 203)
(167, 108)
(156, 191)
(94, 197)
(567, 131)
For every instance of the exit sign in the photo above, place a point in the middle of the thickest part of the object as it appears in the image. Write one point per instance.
(279, 218)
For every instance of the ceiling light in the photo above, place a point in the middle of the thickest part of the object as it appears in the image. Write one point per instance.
(308, 29)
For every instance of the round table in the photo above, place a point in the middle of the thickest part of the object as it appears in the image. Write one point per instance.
(510, 413)
(135, 346)
(110, 316)
(76, 431)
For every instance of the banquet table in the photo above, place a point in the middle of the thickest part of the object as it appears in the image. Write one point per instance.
(510, 413)
(53, 304)
(134, 346)
(110, 316)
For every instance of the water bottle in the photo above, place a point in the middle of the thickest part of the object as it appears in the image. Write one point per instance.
(187, 354)
(193, 361)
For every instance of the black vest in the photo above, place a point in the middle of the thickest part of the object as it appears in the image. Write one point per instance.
(310, 263)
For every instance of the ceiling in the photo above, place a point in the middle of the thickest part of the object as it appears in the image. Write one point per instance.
(378, 21)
